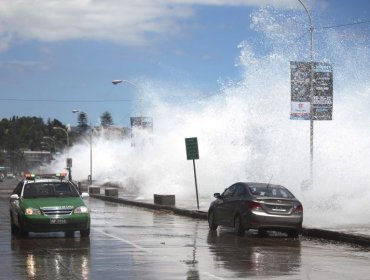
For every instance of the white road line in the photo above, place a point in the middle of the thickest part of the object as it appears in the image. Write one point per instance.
(211, 275)
(206, 273)
(125, 241)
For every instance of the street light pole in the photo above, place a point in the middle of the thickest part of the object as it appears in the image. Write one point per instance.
(47, 144)
(311, 90)
(115, 82)
(51, 139)
(65, 131)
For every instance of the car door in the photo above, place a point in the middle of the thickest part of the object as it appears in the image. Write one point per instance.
(223, 207)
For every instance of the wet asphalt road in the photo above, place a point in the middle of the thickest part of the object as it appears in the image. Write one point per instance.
(132, 243)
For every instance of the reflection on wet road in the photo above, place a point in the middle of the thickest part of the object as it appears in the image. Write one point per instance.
(132, 243)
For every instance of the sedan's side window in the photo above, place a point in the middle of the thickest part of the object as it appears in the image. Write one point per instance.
(228, 192)
(240, 191)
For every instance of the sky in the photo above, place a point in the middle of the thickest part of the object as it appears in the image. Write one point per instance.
(217, 70)
(57, 56)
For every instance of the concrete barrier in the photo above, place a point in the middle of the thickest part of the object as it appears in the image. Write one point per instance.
(162, 199)
(183, 212)
(83, 187)
(94, 190)
(111, 192)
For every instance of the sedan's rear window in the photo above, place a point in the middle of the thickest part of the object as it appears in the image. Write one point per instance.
(270, 191)
(49, 189)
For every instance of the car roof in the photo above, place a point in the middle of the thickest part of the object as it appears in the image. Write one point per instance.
(257, 184)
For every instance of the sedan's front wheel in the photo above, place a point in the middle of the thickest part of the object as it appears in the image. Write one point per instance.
(85, 233)
(211, 221)
(24, 233)
(238, 226)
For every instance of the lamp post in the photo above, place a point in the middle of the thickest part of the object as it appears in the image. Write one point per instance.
(116, 82)
(66, 132)
(46, 144)
(311, 89)
(91, 155)
(51, 139)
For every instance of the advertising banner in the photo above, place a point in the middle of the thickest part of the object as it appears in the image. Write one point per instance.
(300, 90)
(141, 130)
(322, 103)
(323, 91)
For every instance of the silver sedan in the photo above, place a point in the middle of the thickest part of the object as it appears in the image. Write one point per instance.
(249, 205)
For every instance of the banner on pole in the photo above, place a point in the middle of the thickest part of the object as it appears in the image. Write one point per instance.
(322, 103)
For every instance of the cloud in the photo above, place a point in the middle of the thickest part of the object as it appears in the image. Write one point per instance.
(22, 65)
(129, 22)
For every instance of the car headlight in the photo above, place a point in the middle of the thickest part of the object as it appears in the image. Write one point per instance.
(81, 209)
(32, 211)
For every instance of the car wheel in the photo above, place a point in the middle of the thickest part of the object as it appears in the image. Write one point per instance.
(24, 233)
(262, 233)
(293, 234)
(238, 227)
(211, 221)
(85, 233)
(13, 228)
(69, 234)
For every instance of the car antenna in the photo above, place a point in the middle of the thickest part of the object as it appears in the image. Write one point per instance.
(269, 181)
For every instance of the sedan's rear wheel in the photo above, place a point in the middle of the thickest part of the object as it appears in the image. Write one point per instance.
(238, 226)
(211, 221)
(293, 233)
(85, 233)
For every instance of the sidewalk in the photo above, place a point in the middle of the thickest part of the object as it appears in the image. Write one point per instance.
(359, 235)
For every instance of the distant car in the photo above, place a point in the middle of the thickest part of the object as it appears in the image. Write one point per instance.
(247, 205)
(48, 203)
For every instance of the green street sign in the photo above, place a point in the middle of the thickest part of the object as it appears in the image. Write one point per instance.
(192, 148)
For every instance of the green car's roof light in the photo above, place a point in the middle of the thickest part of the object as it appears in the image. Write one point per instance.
(31, 176)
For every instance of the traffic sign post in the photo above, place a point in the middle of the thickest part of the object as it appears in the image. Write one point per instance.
(192, 153)
(69, 168)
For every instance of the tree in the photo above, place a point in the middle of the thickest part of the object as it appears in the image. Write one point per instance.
(106, 119)
(82, 121)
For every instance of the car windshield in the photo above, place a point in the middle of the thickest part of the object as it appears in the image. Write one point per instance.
(270, 191)
(49, 189)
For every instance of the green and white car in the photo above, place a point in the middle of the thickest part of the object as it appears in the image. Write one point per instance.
(48, 203)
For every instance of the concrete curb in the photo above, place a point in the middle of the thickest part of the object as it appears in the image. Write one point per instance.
(337, 236)
(310, 232)
(182, 212)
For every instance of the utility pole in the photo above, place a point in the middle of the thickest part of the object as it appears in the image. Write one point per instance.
(311, 91)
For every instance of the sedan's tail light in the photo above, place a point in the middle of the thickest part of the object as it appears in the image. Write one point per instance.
(299, 208)
(253, 205)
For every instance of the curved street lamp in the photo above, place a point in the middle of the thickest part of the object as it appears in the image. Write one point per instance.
(311, 89)
(116, 82)
(65, 131)
(46, 144)
(49, 138)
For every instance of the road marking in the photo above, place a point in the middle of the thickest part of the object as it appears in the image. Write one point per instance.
(211, 275)
(125, 241)
(148, 251)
